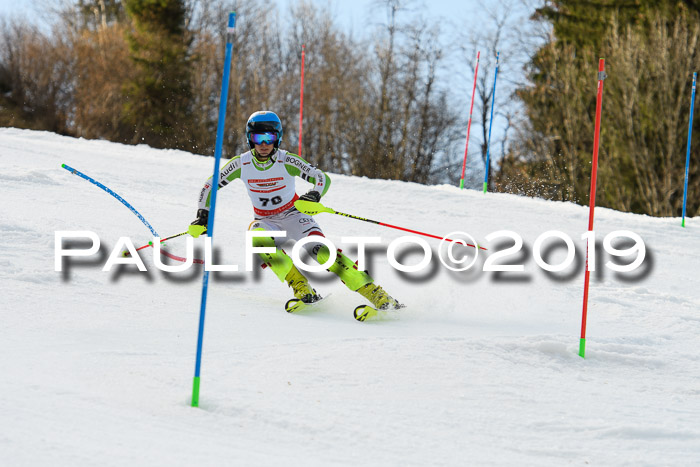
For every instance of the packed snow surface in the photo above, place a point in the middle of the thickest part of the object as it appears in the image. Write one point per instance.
(481, 368)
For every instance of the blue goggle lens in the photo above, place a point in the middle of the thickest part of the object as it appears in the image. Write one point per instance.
(263, 138)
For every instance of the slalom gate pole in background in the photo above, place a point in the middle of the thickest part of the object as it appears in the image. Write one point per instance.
(311, 208)
(687, 152)
(469, 125)
(488, 145)
(301, 96)
(230, 31)
(594, 175)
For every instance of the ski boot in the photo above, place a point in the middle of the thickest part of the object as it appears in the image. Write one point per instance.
(378, 297)
(300, 284)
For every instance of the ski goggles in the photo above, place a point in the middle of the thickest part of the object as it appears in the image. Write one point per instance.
(263, 138)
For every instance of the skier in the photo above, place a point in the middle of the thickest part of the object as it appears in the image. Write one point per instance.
(268, 173)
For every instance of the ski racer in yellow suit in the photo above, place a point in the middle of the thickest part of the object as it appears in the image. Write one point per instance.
(269, 176)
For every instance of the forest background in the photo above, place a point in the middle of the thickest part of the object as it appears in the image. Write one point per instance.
(388, 104)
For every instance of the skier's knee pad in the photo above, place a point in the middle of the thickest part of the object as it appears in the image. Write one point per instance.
(345, 269)
(279, 261)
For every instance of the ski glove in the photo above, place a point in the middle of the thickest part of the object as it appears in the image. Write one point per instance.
(199, 226)
(313, 196)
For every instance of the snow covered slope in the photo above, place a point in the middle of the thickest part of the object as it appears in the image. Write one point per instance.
(480, 369)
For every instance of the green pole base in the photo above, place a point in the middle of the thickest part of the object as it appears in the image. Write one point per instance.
(683, 222)
(486, 187)
(582, 348)
(195, 392)
(461, 184)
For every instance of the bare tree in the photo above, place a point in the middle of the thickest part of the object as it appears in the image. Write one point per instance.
(335, 110)
(506, 35)
(375, 107)
(410, 114)
(35, 76)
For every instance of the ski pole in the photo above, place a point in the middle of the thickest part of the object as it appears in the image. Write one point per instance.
(169, 255)
(311, 208)
(126, 253)
(161, 240)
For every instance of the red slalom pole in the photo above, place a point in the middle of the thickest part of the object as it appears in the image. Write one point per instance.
(594, 175)
(469, 125)
(301, 95)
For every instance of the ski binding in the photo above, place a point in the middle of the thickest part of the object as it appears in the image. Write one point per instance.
(294, 305)
(365, 312)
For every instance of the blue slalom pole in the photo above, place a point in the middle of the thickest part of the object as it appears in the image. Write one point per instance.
(687, 152)
(488, 144)
(119, 198)
(215, 185)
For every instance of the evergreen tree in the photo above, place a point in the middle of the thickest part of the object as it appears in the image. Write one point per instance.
(651, 49)
(156, 106)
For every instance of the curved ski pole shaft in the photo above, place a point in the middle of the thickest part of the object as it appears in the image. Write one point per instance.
(311, 208)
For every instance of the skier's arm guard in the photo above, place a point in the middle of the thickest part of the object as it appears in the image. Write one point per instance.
(228, 173)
